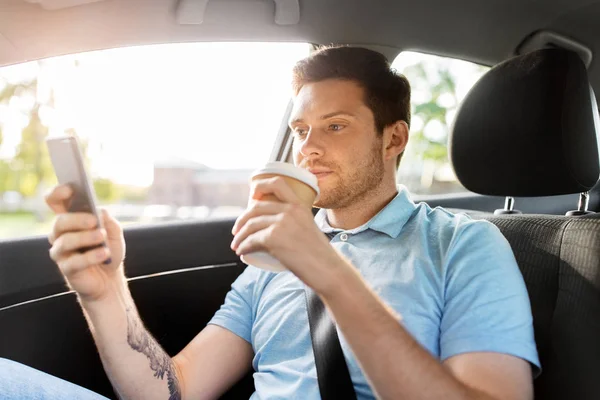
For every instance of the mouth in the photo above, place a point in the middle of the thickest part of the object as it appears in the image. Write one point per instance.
(321, 175)
(320, 172)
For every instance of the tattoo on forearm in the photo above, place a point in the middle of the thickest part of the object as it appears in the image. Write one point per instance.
(160, 362)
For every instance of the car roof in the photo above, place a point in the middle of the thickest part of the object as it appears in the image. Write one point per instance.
(484, 31)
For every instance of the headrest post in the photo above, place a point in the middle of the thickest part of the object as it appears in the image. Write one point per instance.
(582, 206)
(584, 201)
(509, 203)
(509, 207)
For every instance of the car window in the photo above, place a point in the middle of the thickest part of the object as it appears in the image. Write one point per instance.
(169, 132)
(438, 85)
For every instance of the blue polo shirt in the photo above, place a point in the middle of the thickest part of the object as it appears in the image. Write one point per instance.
(453, 280)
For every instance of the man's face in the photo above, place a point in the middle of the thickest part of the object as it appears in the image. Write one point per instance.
(336, 139)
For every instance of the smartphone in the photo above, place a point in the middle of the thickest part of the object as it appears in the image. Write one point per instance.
(67, 160)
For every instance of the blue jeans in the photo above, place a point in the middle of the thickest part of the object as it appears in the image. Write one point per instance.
(20, 382)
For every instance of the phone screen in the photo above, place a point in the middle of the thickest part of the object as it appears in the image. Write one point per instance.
(68, 165)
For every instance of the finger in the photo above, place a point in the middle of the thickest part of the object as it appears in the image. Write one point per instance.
(276, 186)
(72, 241)
(255, 242)
(258, 208)
(114, 230)
(71, 222)
(80, 261)
(58, 198)
(252, 226)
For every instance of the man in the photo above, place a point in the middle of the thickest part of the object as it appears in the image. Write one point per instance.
(428, 304)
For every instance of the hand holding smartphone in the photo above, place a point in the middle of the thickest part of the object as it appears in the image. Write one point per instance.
(67, 160)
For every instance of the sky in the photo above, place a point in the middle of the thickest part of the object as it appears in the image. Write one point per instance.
(219, 104)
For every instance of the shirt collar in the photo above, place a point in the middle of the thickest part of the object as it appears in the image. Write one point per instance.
(389, 220)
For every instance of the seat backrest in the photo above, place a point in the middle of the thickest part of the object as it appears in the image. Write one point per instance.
(559, 258)
(529, 128)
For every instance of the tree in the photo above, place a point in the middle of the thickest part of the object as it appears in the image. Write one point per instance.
(4, 176)
(435, 97)
(31, 166)
(33, 153)
(106, 190)
(434, 149)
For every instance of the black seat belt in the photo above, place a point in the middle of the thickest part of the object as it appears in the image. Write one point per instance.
(332, 371)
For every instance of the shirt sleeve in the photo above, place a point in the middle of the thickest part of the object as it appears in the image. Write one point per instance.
(486, 302)
(237, 312)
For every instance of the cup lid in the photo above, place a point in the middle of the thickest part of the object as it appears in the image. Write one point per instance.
(287, 169)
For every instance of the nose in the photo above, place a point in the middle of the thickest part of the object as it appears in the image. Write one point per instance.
(312, 146)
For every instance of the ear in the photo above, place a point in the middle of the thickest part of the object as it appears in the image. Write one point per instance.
(395, 138)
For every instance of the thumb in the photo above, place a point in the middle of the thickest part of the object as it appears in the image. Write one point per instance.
(112, 226)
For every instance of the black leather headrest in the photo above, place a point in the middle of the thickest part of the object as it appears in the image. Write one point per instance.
(527, 128)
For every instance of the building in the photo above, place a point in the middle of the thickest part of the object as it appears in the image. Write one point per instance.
(183, 183)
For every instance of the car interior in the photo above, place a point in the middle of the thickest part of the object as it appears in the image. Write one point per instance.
(524, 143)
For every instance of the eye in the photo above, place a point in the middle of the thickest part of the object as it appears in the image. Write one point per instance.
(336, 127)
(300, 132)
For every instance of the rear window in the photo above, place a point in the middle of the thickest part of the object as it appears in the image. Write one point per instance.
(438, 85)
(170, 132)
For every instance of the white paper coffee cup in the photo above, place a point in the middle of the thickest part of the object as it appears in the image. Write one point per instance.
(305, 186)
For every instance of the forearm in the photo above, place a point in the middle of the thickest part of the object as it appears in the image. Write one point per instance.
(392, 360)
(136, 365)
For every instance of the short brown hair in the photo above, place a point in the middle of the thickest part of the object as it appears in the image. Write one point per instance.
(387, 93)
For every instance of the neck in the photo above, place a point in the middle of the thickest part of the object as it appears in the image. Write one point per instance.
(363, 209)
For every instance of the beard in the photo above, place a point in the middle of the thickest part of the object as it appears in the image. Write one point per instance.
(352, 186)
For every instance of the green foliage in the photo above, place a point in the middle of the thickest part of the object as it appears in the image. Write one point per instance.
(33, 154)
(430, 111)
(4, 176)
(10, 175)
(442, 84)
(436, 151)
(28, 183)
(19, 89)
(134, 195)
(106, 190)
(31, 166)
